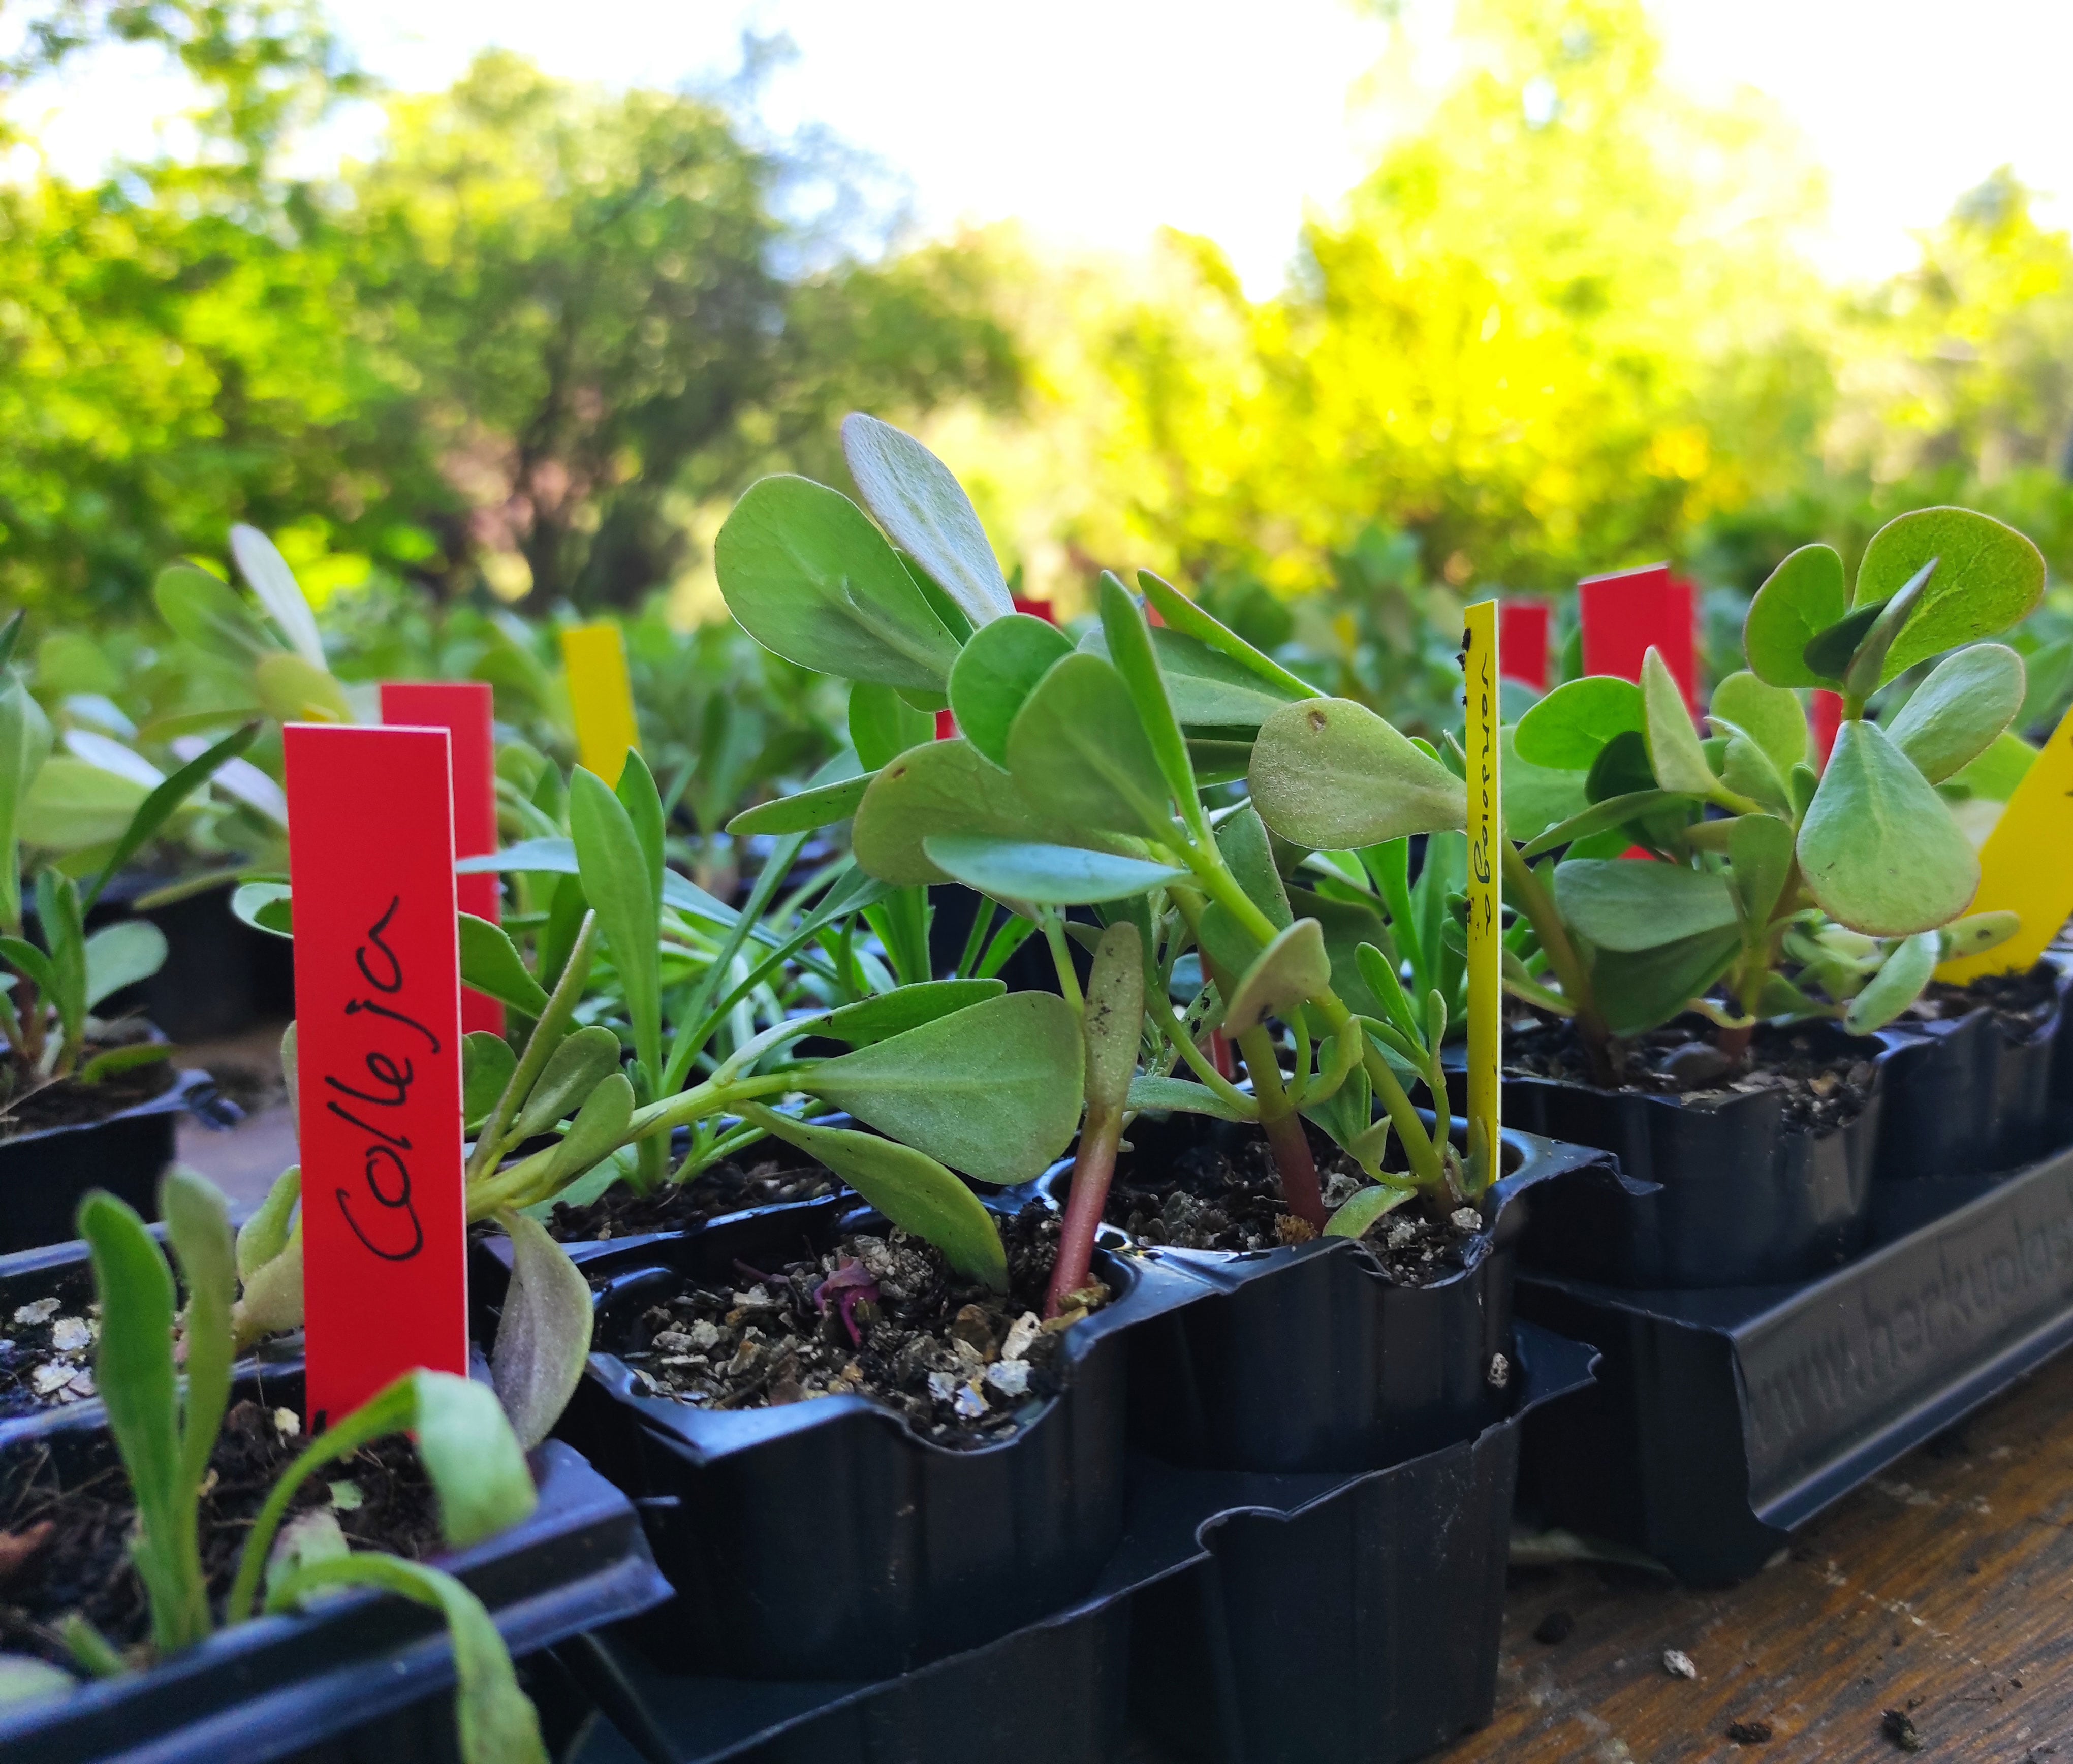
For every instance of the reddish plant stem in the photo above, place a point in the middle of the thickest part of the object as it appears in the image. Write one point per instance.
(1094, 1168)
(1298, 1168)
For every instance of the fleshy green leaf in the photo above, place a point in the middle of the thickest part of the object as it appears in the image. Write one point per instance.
(25, 744)
(1367, 1206)
(1863, 676)
(904, 1008)
(993, 1091)
(1294, 967)
(1977, 933)
(1760, 852)
(808, 575)
(1208, 688)
(1536, 798)
(1182, 1095)
(264, 1235)
(925, 508)
(1131, 654)
(910, 1187)
(1674, 755)
(264, 906)
(210, 614)
(994, 674)
(1878, 848)
(943, 787)
(1241, 839)
(1747, 770)
(1828, 651)
(1623, 905)
(497, 1720)
(24, 1679)
(1565, 731)
(616, 881)
(1802, 597)
(157, 808)
(1771, 716)
(1907, 969)
(71, 806)
(1994, 775)
(1043, 874)
(1989, 577)
(487, 1063)
(1114, 1020)
(267, 571)
(576, 1068)
(1331, 775)
(883, 724)
(598, 1127)
(1642, 990)
(805, 811)
(121, 955)
(1601, 816)
(1079, 754)
(1184, 615)
(1959, 710)
(490, 962)
(543, 1334)
(198, 1226)
(291, 690)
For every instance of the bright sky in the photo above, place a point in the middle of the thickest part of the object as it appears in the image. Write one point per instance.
(1097, 121)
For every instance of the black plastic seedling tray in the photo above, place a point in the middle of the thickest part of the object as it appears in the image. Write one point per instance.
(1722, 1420)
(1243, 1618)
(1310, 1358)
(362, 1676)
(44, 1175)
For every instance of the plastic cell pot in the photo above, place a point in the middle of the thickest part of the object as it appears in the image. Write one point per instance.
(1311, 1357)
(1724, 1191)
(825, 1538)
(1965, 1096)
(362, 1676)
(44, 1175)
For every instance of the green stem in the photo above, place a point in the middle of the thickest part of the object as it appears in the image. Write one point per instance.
(1053, 922)
(1524, 890)
(1283, 1128)
(540, 1044)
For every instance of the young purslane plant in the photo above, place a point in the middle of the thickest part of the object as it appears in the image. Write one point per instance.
(1078, 778)
(166, 1412)
(1795, 894)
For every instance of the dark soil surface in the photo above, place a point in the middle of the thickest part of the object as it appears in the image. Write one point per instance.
(66, 1549)
(47, 1351)
(2022, 1003)
(725, 1187)
(1225, 1196)
(967, 1366)
(67, 1103)
(1826, 1078)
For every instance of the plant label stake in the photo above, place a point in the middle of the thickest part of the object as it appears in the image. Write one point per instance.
(1485, 826)
(377, 1031)
(2026, 865)
(1522, 627)
(1623, 614)
(600, 696)
(1828, 719)
(465, 709)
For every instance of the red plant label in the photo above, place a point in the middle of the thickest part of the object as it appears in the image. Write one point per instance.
(1625, 614)
(377, 1047)
(1522, 630)
(1828, 719)
(466, 710)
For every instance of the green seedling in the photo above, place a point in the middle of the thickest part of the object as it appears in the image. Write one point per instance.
(1801, 895)
(165, 1428)
(53, 979)
(1078, 779)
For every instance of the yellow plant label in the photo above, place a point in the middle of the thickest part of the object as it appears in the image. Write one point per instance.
(601, 697)
(2026, 865)
(1479, 665)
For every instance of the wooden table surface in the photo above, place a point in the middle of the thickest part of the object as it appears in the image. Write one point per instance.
(1942, 1590)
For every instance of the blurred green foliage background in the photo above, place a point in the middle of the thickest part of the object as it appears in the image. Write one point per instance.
(522, 355)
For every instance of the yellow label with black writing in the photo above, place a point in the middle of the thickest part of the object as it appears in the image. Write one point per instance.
(1479, 665)
(600, 696)
(2026, 865)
